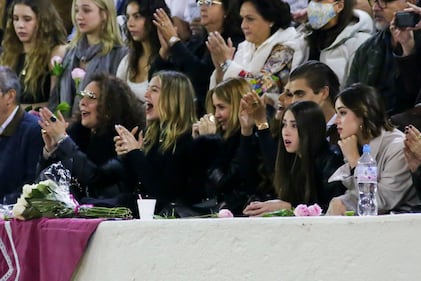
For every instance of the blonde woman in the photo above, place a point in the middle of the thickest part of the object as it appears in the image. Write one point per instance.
(217, 147)
(34, 34)
(96, 47)
(161, 161)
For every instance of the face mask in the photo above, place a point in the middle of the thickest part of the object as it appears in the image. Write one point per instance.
(319, 14)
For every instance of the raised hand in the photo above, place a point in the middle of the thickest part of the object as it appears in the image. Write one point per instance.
(126, 141)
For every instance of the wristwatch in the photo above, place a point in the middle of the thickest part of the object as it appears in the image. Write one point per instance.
(224, 66)
(173, 40)
(262, 126)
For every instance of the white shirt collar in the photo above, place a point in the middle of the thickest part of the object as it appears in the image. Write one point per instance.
(8, 120)
(331, 121)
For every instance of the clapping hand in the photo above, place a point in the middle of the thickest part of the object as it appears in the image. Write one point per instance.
(126, 141)
(53, 127)
(219, 49)
(205, 126)
(412, 149)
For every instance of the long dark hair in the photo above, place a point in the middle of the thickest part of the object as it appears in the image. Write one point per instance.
(295, 173)
(146, 9)
(232, 19)
(366, 104)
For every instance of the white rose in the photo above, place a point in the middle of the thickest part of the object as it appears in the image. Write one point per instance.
(18, 210)
(27, 190)
(22, 201)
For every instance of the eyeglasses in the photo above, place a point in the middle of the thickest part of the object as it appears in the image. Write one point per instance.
(208, 2)
(89, 94)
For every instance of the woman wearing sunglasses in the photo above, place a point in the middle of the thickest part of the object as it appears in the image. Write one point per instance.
(192, 57)
(86, 149)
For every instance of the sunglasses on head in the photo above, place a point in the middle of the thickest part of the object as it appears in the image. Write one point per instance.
(208, 2)
(89, 94)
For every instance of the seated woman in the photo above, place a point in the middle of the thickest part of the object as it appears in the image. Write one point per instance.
(335, 32)
(362, 120)
(271, 49)
(34, 34)
(95, 47)
(87, 148)
(143, 44)
(217, 148)
(304, 162)
(161, 161)
(192, 58)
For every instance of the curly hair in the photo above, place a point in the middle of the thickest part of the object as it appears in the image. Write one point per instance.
(117, 104)
(110, 36)
(176, 111)
(146, 9)
(49, 33)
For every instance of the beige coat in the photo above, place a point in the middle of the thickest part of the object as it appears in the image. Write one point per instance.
(395, 190)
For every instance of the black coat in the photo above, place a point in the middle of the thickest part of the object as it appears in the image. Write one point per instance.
(99, 177)
(165, 176)
(218, 170)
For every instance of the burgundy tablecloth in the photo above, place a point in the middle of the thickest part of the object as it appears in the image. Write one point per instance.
(43, 249)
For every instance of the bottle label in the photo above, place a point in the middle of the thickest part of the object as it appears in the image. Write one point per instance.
(366, 175)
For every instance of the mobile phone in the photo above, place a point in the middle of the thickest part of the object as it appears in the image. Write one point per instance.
(406, 19)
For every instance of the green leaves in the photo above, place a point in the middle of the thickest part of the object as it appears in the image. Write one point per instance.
(280, 213)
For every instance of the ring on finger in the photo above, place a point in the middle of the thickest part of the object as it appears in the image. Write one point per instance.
(47, 123)
(43, 131)
(53, 118)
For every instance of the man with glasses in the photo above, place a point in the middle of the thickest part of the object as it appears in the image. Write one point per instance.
(376, 60)
(20, 140)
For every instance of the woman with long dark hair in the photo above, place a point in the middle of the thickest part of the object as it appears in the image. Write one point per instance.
(304, 162)
(143, 44)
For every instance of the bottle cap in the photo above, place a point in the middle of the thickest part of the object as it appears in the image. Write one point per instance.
(366, 148)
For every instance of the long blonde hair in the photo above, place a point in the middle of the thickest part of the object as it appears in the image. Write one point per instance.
(110, 36)
(230, 91)
(49, 33)
(176, 110)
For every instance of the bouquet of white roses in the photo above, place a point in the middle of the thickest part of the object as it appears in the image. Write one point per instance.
(51, 198)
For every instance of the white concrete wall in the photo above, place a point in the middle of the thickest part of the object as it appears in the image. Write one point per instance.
(311, 248)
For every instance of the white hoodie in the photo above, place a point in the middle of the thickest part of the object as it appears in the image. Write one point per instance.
(250, 59)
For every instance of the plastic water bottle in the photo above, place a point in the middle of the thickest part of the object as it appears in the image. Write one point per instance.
(366, 172)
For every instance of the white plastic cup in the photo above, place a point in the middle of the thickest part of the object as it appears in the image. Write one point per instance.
(146, 208)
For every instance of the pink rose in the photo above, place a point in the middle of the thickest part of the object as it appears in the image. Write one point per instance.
(78, 73)
(301, 211)
(56, 60)
(314, 210)
(225, 213)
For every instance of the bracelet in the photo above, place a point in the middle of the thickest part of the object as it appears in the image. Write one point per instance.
(224, 66)
(173, 40)
(61, 138)
(262, 126)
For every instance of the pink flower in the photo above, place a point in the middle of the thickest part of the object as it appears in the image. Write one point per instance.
(78, 74)
(315, 210)
(301, 211)
(225, 213)
(56, 60)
